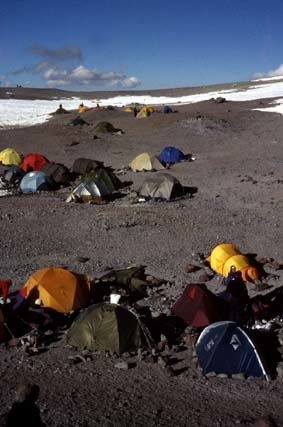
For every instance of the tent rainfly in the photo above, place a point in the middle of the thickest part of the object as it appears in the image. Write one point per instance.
(225, 348)
(107, 327)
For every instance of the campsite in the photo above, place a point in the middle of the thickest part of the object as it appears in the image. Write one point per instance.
(145, 227)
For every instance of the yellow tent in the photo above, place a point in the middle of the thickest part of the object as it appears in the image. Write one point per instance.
(83, 108)
(128, 110)
(147, 162)
(225, 255)
(148, 109)
(9, 156)
(59, 289)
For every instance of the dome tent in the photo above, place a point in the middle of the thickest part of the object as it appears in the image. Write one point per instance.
(84, 165)
(224, 255)
(225, 347)
(107, 327)
(58, 172)
(171, 155)
(146, 162)
(9, 156)
(33, 161)
(36, 181)
(199, 307)
(161, 186)
(59, 289)
(13, 175)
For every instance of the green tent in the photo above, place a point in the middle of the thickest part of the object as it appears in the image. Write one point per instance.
(107, 327)
(105, 176)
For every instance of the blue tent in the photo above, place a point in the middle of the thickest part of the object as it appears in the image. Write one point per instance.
(171, 155)
(224, 347)
(167, 109)
(35, 181)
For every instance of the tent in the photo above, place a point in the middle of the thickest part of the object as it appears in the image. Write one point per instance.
(78, 121)
(36, 181)
(33, 161)
(161, 186)
(171, 155)
(225, 347)
(59, 173)
(91, 189)
(83, 108)
(9, 156)
(146, 162)
(106, 127)
(147, 109)
(58, 289)
(224, 255)
(13, 175)
(199, 307)
(166, 109)
(82, 165)
(106, 176)
(106, 327)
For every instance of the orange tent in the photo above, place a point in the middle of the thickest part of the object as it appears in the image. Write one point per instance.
(59, 289)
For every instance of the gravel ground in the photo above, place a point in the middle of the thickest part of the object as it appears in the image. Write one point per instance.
(238, 188)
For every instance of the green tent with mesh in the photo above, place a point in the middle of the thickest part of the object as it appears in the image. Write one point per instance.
(108, 327)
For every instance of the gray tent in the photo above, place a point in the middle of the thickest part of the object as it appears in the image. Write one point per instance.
(90, 190)
(107, 327)
(161, 186)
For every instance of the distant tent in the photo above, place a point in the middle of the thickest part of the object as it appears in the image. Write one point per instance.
(9, 156)
(59, 173)
(33, 161)
(147, 109)
(171, 155)
(106, 176)
(106, 127)
(78, 121)
(161, 186)
(83, 108)
(199, 307)
(13, 175)
(58, 289)
(82, 165)
(142, 114)
(224, 347)
(61, 110)
(107, 327)
(36, 181)
(146, 162)
(166, 109)
(96, 187)
(224, 255)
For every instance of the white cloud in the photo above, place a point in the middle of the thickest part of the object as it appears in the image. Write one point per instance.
(131, 82)
(4, 81)
(278, 72)
(85, 76)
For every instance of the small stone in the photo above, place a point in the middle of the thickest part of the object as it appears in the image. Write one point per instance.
(240, 376)
(210, 375)
(122, 365)
(222, 375)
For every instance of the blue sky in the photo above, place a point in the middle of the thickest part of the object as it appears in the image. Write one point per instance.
(107, 45)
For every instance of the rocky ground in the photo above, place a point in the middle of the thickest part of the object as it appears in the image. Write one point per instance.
(237, 197)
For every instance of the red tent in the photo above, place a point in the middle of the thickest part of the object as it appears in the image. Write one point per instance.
(33, 161)
(199, 307)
